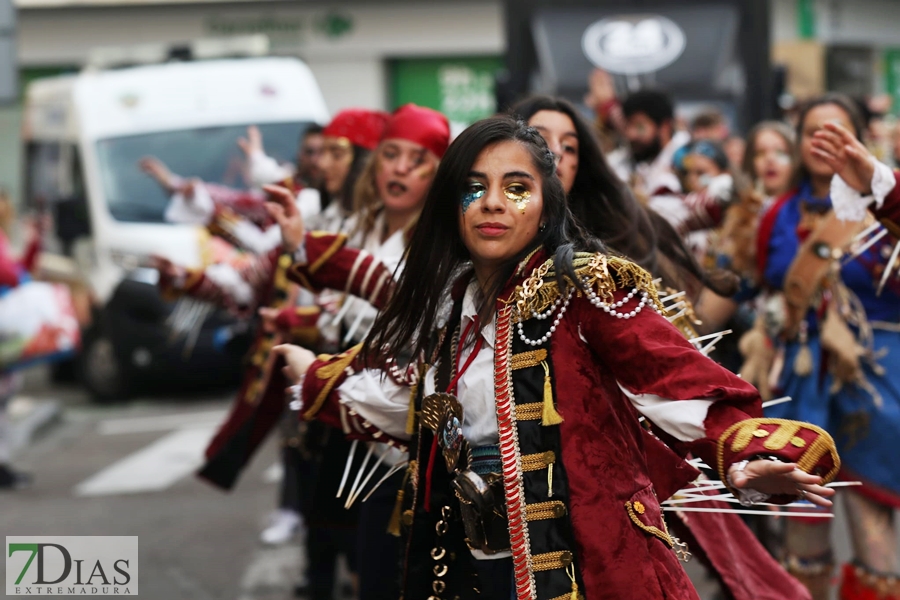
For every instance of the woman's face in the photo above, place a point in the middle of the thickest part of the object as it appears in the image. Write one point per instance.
(334, 163)
(814, 121)
(404, 174)
(562, 139)
(699, 170)
(501, 207)
(772, 164)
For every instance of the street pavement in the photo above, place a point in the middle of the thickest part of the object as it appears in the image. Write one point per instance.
(127, 469)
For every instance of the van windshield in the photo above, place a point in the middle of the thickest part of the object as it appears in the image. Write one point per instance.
(209, 153)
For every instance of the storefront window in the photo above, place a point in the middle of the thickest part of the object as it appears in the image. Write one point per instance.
(461, 88)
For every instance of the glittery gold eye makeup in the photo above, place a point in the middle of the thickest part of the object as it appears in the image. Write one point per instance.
(518, 194)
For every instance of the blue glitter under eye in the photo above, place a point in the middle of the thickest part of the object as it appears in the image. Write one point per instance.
(470, 197)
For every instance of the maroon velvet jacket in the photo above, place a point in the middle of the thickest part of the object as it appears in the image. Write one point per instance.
(614, 474)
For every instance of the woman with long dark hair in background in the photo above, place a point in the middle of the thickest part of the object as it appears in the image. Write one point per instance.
(604, 206)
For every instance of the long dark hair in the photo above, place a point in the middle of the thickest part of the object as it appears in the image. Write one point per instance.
(436, 252)
(605, 207)
(360, 158)
(843, 102)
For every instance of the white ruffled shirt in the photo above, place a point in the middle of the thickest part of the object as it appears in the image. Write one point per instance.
(850, 205)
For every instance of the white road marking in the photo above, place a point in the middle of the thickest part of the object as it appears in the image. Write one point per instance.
(272, 570)
(153, 468)
(205, 419)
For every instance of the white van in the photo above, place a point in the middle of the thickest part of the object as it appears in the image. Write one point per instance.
(84, 136)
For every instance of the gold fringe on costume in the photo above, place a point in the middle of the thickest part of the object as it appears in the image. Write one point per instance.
(598, 271)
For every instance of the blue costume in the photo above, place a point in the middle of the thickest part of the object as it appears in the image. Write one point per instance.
(864, 422)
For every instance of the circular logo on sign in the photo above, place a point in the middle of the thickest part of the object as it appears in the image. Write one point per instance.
(633, 45)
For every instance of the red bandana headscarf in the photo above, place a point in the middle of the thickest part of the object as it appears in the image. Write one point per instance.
(362, 127)
(419, 125)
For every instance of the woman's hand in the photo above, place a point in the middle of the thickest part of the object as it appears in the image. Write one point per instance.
(283, 209)
(253, 143)
(846, 155)
(777, 478)
(298, 360)
(168, 271)
(158, 170)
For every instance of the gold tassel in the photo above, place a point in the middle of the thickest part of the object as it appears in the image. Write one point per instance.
(570, 571)
(394, 522)
(803, 362)
(549, 416)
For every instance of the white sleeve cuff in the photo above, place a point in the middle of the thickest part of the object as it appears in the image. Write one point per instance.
(265, 169)
(226, 277)
(850, 205)
(682, 419)
(377, 399)
(196, 211)
(254, 239)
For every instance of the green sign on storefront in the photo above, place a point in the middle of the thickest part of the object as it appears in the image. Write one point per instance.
(892, 77)
(461, 88)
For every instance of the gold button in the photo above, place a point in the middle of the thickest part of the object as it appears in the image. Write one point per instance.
(407, 517)
(798, 442)
(549, 457)
(566, 558)
(559, 510)
(639, 508)
(760, 433)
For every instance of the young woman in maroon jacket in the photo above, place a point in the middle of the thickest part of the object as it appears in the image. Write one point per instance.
(537, 351)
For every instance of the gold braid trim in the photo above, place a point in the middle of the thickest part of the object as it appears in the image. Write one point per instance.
(662, 534)
(551, 560)
(569, 596)
(823, 444)
(743, 438)
(536, 462)
(820, 447)
(779, 438)
(533, 411)
(605, 274)
(532, 358)
(553, 509)
(339, 241)
(332, 371)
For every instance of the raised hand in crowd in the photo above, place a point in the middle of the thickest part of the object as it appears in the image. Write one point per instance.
(846, 155)
(170, 182)
(283, 208)
(253, 143)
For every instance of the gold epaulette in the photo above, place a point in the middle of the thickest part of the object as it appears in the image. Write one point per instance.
(596, 271)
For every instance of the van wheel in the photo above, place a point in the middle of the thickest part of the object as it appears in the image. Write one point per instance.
(102, 371)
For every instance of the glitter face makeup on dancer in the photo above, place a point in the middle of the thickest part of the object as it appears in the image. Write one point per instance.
(517, 194)
(476, 191)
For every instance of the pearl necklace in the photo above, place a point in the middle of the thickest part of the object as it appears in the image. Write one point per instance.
(562, 304)
(612, 309)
